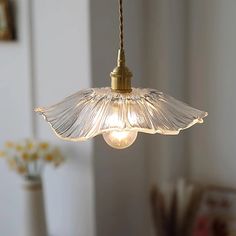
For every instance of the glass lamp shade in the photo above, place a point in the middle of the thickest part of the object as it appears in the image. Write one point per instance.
(119, 116)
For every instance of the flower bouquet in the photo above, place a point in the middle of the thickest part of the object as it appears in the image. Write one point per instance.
(29, 158)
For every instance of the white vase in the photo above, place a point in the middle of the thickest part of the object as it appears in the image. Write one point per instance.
(34, 222)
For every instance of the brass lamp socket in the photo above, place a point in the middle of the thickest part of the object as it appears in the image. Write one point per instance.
(121, 75)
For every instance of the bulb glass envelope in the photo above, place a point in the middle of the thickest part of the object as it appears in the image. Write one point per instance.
(96, 111)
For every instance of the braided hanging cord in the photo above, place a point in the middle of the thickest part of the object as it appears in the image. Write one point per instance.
(121, 25)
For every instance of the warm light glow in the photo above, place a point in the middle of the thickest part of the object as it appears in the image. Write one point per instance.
(120, 139)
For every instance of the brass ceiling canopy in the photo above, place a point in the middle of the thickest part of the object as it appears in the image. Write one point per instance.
(120, 112)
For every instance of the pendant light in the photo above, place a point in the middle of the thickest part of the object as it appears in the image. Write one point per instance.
(120, 112)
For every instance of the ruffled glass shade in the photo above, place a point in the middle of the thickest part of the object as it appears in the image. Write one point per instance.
(95, 111)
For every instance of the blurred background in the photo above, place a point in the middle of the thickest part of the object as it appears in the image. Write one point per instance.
(185, 48)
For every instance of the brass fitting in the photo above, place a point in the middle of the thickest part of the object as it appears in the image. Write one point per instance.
(121, 75)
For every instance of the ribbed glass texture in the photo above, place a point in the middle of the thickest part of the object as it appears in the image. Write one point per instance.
(95, 111)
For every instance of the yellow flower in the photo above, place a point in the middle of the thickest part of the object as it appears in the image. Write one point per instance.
(34, 157)
(44, 145)
(2, 154)
(19, 148)
(30, 145)
(25, 156)
(48, 157)
(9, 144)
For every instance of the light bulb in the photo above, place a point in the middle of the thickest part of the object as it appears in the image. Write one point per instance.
(120, 139)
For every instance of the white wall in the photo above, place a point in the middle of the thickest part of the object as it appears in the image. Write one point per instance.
(58, 66)
(212, 55)
(15, 113)
(62, 59)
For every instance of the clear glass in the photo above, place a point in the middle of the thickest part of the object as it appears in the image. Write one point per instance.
(95, 111)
